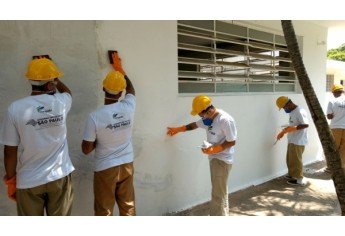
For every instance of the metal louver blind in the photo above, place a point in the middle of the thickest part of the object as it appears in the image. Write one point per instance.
(218, 57)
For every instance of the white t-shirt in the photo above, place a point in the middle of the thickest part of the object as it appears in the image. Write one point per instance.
(337, 107)
(37, 125)
(111, 127)
(298, 117)
(223, 128)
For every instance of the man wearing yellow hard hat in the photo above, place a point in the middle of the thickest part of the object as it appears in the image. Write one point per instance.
(221, 135)
(108, 131)
(297, 139)
(336, 113)
(39, 176)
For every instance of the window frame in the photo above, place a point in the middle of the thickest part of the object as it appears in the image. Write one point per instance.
(259, 64)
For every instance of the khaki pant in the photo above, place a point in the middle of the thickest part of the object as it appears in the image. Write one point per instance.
(339, 136)
(294, 160)
(114, 185)
(220, 170)
(55, 197)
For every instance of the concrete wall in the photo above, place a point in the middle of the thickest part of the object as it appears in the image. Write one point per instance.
(171, 174)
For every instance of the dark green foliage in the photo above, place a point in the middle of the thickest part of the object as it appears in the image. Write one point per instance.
(337, 54)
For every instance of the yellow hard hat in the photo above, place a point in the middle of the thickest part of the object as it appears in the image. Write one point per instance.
(42, 69)
(282, 101)
(200, 103)
(114, 82)
(336, 87)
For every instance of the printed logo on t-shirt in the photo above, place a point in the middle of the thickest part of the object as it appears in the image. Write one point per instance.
(211, 132)
(118, 125)
(116, 116)
(341, 105)
(46, 122)
(41, 109)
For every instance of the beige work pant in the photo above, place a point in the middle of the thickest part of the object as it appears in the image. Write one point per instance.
(219, 205)
(339, 136)
(55, 197)
(294, 160)
(114, 185)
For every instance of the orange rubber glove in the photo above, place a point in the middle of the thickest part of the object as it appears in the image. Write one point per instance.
(172, 131)
(11, 187)
(117, 64)
(212, 150)
(286, 130)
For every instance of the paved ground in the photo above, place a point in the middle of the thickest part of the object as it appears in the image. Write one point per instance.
(276, 198)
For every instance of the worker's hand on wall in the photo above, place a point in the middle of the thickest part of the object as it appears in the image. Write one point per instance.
(174, 130)
(117, 64)
(11, 187)
(281, 134)
(212, 150)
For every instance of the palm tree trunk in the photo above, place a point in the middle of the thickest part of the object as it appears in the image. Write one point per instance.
(322, 127)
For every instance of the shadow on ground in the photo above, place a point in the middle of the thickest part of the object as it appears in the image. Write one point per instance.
(276, 198)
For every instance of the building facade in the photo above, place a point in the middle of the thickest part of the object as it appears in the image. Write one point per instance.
(242, 65)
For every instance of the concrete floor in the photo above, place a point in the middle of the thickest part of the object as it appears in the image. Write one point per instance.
(273, 198)
(276, 198)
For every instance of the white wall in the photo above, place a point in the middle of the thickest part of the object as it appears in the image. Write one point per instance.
(336, 68)
(171, 174)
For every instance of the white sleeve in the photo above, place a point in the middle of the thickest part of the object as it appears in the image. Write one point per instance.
(330, 107)
(66, 98)
(229, 129)
(303, 119)
(200, 124)
(129, 102)
(90, 130)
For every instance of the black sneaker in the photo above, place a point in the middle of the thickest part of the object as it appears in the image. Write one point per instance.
(289, 177)
(295, 182)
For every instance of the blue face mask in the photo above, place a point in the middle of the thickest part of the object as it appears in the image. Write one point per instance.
(207, 121)
(287, 110)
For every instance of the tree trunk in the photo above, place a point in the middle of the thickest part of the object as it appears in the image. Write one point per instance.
(327, 140)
